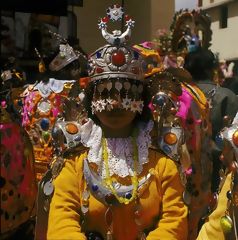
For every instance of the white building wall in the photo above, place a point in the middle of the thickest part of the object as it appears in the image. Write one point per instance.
(213, 3)
(149, 16)
(224, 40)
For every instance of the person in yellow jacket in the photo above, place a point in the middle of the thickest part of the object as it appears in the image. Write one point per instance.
(222, 223)
(118, 187)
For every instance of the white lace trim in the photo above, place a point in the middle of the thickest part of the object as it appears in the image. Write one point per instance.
(53, 85)
(120, 150)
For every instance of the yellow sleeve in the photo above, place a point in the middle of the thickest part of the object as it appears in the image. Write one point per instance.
(172, 223)
(64, 217)
(212, 228)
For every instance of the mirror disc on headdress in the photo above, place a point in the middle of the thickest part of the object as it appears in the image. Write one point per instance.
(170, 138)
(71, 128)
(44, 106)
(159, 100)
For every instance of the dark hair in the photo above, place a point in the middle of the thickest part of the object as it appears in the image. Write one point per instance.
(145, 116)
(200, 64)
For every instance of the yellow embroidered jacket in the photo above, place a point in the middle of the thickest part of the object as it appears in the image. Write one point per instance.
(163, 212)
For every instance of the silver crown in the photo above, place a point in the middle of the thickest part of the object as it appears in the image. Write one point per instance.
(6, 75)
(115, 60)
(65, 56)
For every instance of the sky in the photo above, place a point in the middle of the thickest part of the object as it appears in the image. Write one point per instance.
(190, 4)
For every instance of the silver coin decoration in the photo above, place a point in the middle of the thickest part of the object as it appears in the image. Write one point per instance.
(186, 197)
(44, 106)
(48, 188)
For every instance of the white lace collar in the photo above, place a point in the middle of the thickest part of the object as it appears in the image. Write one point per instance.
(53, 85)
(120, 150)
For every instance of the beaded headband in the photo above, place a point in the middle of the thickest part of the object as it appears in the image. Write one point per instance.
(115, 60)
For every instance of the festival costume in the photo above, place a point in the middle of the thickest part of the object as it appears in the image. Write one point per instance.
(181, 110)
(160, 188)
(17, 181)
(44, 103)
(223, 103)
(219, 99)
(118, 188)
(222, 222)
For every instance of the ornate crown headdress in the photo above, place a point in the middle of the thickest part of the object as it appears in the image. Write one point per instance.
(118, 64)
(115, 60)
(190, 30)
(6, 75)
(65, 56)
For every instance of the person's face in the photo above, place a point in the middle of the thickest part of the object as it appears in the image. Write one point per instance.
(116, 118)
(115, 115)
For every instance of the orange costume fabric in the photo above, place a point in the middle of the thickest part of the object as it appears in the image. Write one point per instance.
(163, 210)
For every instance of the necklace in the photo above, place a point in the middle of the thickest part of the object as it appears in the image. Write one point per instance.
(134, 179)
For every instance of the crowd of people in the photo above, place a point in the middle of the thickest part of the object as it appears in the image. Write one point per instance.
(142, 146)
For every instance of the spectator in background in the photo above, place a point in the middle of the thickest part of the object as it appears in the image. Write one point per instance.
(232, 84)
(223, 102)
(228, 78)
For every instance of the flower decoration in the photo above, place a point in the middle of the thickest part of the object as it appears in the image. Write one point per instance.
(115, 12)
(109, 102)
(126, 103)
(102, 25)
(130, 23)
(99, 105)
(137, 106)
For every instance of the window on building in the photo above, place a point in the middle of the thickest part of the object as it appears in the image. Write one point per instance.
(199, 3)
(223, 16)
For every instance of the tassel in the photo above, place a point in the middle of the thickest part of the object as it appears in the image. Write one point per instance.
(109, 235)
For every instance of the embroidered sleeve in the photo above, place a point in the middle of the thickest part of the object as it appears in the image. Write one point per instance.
(64, 216)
